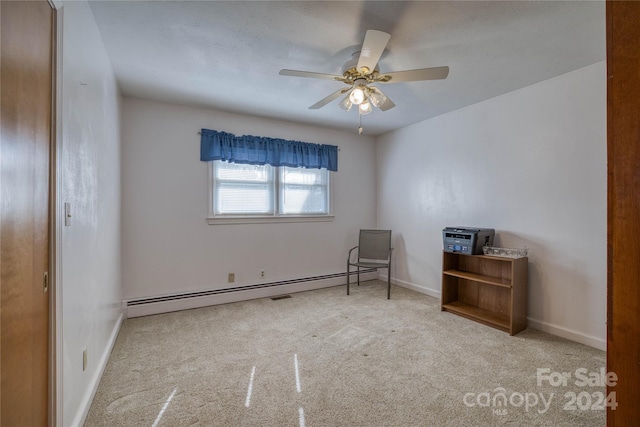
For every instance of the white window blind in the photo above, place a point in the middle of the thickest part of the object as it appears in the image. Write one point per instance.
(243, 189)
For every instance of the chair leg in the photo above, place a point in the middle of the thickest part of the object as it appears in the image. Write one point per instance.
(348, 275)
(389, 282)
(358, 275)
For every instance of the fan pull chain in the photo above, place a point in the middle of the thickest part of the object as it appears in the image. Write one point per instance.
(359, 124)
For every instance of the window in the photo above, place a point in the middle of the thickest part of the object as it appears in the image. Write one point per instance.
(264, 193)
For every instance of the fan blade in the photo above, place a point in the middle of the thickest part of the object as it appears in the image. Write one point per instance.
(372, 48)
(388, 104)
(434, 73)
(296, 73)
(328, 99)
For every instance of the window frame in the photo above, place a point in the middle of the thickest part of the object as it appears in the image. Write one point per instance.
(277, 217)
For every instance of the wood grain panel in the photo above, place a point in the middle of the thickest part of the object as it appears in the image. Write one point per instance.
(623, 231)
(468, 292)
(26, 82)
(519, 294)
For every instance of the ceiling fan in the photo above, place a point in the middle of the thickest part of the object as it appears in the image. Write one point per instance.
(361, 71)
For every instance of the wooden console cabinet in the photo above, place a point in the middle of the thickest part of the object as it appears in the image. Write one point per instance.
(490, 290)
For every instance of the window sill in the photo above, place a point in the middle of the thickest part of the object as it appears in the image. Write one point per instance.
(266, 219)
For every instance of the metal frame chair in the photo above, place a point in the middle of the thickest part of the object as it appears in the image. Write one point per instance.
(374, 251)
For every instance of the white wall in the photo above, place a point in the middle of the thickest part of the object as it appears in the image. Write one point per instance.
(168, 247)
(532, 165)
(89, 178)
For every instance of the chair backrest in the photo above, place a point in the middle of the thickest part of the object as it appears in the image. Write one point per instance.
(374, 244)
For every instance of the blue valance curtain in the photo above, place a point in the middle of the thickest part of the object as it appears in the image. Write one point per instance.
(258, 150)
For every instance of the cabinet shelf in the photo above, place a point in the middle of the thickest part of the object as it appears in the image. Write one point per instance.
(487, 317)
(479, 278)
(488, 290)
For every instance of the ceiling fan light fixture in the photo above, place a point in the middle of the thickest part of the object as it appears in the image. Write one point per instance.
(363, 69)
(357, 95)
(346, 104)
(364, 108)
(376, 97)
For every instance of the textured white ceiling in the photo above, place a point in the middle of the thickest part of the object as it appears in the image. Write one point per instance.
(226, 54)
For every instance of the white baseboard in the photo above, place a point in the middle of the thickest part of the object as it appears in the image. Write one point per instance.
(582, 338)
(418, 288)
(85, 405)
(148, 309)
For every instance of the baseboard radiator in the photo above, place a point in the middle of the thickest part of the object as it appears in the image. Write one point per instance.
(186, 300)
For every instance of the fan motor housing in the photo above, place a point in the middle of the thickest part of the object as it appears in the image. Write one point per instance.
(350, 71)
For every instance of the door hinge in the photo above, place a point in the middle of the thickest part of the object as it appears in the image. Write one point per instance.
(45, 282)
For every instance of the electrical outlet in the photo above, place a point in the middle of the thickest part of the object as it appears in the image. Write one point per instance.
(232, 277)
(262, 274)
(84, 360)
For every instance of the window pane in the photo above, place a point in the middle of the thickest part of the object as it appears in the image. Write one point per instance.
(303, 191)
(303, 200)
(236, 172)
(304, 176)
(243, 189)
(241, 199)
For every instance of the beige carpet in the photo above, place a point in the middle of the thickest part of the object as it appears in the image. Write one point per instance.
(321, 358)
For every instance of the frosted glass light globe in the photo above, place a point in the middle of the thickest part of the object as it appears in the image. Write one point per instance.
(346, 104)
(377, 98)
(365, 108)
(357, 95)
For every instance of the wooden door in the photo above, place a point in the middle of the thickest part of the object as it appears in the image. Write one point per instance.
(623, 234)
(26, 104)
